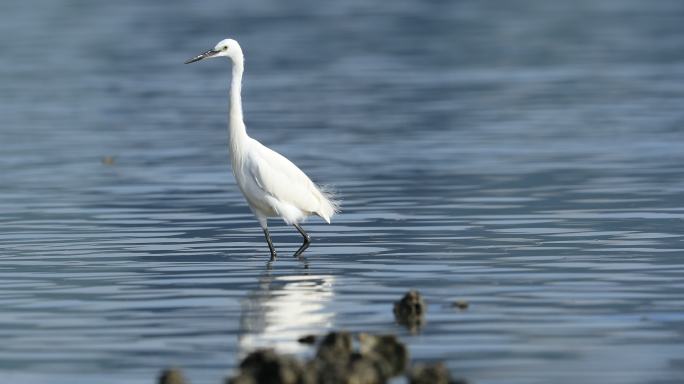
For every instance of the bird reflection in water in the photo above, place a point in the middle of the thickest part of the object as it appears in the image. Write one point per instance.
(284, 308)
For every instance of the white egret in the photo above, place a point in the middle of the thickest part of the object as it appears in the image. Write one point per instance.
(272, 185)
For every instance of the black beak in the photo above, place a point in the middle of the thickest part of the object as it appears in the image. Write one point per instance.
(206, 54)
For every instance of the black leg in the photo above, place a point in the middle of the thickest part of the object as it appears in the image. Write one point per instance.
(270, 244)
(307, 240)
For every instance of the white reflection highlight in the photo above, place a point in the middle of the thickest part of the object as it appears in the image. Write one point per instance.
(283, 309)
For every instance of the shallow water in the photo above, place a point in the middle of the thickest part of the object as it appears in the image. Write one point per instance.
(525, 157)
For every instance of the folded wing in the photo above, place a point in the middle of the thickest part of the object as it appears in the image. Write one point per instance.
(280, 178)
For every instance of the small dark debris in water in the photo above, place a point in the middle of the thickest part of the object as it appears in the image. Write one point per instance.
(108, 160)
(410, 310)
(308, 339)
(172, 376)
(431, 374)
(461, 304)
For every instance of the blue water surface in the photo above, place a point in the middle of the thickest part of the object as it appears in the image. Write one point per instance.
(525, 156)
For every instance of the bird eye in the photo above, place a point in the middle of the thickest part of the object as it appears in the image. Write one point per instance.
(225, 47)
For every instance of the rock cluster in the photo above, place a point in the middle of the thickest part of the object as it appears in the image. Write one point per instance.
(377, 359)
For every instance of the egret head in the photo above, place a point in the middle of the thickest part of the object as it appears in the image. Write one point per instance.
(228, 47)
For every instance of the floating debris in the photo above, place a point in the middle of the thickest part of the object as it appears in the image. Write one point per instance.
(410, 311)
(461, 304)
(308, 339)
(172, 376)
(108, 160)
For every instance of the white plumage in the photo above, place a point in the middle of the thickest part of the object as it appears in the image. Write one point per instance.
(272, 184)
(289, 193)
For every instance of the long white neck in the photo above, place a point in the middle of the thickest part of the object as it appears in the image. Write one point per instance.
(238, 132)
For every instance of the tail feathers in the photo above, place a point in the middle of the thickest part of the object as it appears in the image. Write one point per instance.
(330, 204)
